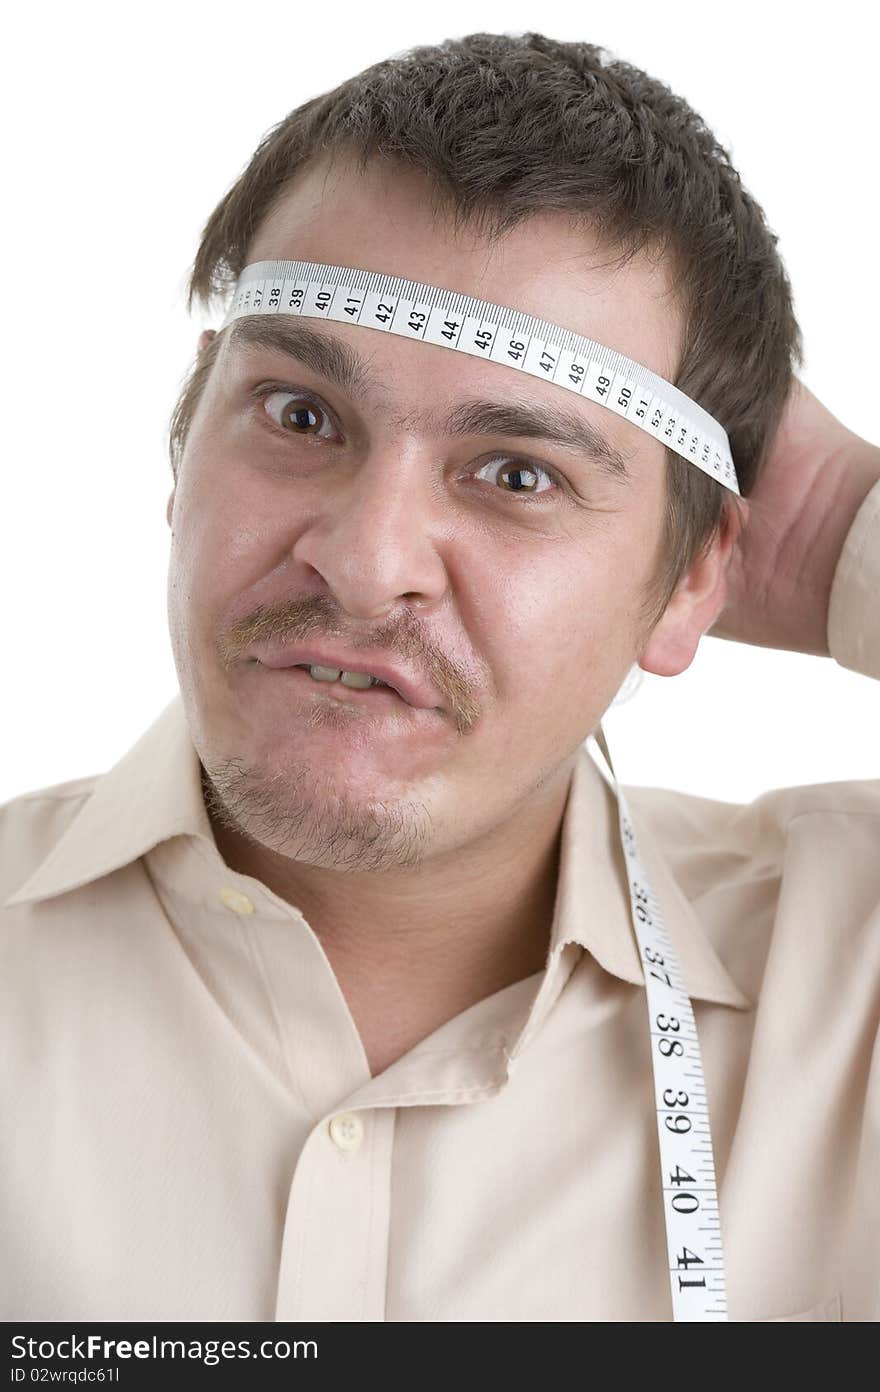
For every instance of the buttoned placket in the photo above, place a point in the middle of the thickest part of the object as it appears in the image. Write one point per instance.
(334, 1250)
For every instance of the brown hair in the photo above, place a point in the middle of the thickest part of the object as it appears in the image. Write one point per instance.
(510, 125)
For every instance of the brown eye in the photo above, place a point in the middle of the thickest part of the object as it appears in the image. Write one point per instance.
(302, 419)
(519, 477)
(294, 414)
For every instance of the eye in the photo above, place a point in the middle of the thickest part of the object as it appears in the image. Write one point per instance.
(295, 413)
(523, 475)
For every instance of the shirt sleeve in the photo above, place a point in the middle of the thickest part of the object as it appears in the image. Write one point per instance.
(854, 606)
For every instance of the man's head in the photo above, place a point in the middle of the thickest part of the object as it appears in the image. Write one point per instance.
(331, 496)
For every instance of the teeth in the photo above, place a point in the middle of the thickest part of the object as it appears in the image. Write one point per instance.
(359, 680)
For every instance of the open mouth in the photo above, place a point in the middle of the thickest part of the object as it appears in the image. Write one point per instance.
(377, 696)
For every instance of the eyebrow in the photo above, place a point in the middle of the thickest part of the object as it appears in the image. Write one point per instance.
(337, 361)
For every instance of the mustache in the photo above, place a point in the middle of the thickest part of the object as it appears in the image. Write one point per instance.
(294, 621)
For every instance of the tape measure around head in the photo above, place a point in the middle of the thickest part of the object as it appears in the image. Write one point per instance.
(496, 333)
(690, 1197)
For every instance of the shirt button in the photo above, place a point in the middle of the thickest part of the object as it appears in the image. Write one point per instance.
(347, 1130)
(235, 900)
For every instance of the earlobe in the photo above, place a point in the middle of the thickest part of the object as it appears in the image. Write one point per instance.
(698, 600)
(672, 646)
(205, 338)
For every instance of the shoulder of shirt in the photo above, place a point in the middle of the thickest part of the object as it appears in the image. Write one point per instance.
(32, 822)
(60, 838)
(697, 834)
(854, 796)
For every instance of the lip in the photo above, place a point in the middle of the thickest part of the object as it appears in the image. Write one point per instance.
(408, 686)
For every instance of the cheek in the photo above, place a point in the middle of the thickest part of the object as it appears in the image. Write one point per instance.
(564, 624)
(225, 521)
(218, 551)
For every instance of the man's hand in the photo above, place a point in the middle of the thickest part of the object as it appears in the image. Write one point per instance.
(780, 570)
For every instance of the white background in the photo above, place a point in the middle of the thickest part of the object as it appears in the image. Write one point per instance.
(122, 130)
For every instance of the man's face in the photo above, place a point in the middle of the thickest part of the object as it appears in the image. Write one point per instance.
(313, 513)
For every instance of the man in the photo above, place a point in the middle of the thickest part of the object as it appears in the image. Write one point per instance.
(325, 1003)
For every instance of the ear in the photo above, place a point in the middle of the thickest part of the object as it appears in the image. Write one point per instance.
(697, 601)
(170, 507)
(205, 338)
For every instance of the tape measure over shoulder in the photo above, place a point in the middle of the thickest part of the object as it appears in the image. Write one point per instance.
(428, 314)
(489, 331)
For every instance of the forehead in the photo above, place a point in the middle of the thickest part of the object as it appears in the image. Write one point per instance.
(388, 218)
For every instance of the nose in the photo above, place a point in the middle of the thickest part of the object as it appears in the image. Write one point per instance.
(373, 540)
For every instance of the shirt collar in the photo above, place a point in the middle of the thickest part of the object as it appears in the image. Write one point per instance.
(593, 903)
(154, 792)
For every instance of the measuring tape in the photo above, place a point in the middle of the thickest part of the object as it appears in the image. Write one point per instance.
(690, 1196)
(417, 311)
(428, 314)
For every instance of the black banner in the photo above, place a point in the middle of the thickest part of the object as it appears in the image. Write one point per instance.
(120, 1356)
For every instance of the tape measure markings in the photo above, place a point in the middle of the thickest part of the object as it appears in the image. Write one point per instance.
(687, 1169)
(448, 319)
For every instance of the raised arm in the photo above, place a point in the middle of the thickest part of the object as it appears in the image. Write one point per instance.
(785, 560)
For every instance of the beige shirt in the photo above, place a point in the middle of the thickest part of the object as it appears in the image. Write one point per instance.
(190, 1128)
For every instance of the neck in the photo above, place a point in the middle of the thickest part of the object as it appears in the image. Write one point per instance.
(412, 950)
